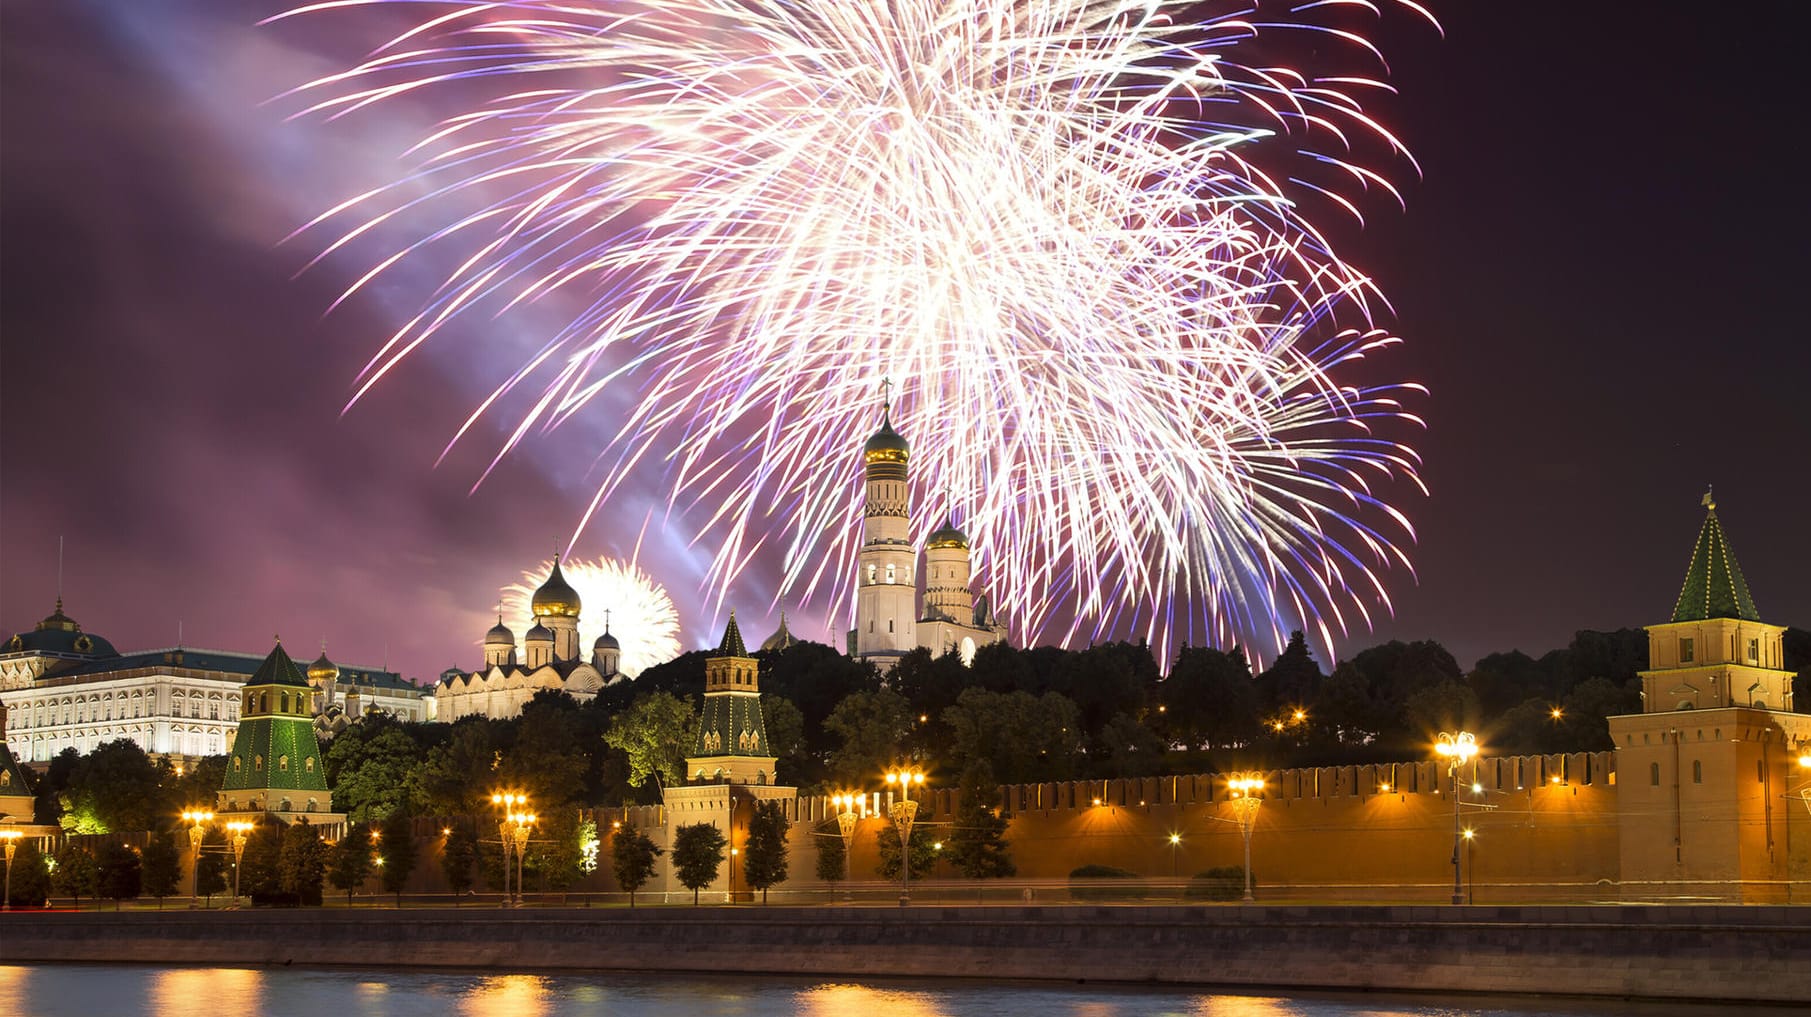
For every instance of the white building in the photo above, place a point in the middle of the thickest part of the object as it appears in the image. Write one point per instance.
(549, 660)
(68, 689)
(888, 623)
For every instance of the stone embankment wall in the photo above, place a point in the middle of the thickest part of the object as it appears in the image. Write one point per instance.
(1699, 953)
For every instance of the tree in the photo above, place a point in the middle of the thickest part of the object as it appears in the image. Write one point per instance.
(119, 873)
(786, 739)
(114, 789)
(372, 770)
(259, 874)
(162, 867)
(31, 877)
(873, 728)
(397, 849)
(697, 856)
(75, 873)
(214, 865)
(632, 856)
(1584, 713)
(764, 863)
(549, 759)
(1022, 737)
(1448, 706)
(459, 775)
(351, 864)
(1209, 700)
(1129, 749)
(301, 861)
(924, 851)
(832, 856)
(457, 858)
(1291, 681)
(655, 733)
(978, 841)
(557, 854)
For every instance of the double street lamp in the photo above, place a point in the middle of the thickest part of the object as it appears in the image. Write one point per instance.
(520, 824)
(1457, 747)
(197, 820)
(507, 802)
(240, 831)
(846, 819)
(1245, 788)
(902, 813)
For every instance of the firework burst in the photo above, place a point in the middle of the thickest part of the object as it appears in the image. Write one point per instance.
(641, 615)
(1072, 231)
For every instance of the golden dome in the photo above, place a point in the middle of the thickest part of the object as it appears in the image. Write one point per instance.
(887, 445)
(948, 536)
(556, 597)
(322, 670)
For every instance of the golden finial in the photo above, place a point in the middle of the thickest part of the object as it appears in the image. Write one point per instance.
(1710, 501)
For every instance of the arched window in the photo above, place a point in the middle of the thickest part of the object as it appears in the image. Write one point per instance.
(871, 571)
(283, 763)
(237, 763)
(308, 765)
(1654, 774)
(891, 574)
(1697, 771)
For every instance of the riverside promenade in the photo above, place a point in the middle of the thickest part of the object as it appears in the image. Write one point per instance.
(1704, 953)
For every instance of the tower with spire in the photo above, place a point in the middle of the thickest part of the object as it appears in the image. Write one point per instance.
(1702, 771)
(275, 766)
(732, 735)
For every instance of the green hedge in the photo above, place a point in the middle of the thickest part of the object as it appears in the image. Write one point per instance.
(1103, 883)
(1224, 883)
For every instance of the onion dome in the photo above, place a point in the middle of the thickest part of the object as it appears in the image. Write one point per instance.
(539, 634)
(556, 597)
(887, 445)
(499, 635)
(606, 642)
(948, 536)
(322, 670)
(781, 640)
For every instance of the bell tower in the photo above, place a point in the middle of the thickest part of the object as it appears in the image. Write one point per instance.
(886, 585)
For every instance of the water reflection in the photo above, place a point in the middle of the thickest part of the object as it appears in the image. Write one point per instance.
(867, 1001)
(223, 992)
(86, 990)
(507, 996)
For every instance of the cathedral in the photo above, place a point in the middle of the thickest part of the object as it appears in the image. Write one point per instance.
(888, 622)
(549, 660)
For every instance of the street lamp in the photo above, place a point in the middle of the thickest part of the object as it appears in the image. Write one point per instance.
(1471, 868)
(11, 837)
(507, 802)
(846, 820)
(902, 813)
(240, 831)
(1457, 747)
(196, 818)
(1245, 788)
(519, 834)
(1175, 840)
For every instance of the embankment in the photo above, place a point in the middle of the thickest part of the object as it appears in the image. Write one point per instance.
(1698, 953)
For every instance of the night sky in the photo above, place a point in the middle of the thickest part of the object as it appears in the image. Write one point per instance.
(1599, 277)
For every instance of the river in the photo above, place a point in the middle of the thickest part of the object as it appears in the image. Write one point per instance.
(104, 990)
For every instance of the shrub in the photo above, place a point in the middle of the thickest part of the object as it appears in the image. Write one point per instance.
(1227, 882)
(1104, 883)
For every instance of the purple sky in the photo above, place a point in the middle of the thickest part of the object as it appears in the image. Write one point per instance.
(1596, 278)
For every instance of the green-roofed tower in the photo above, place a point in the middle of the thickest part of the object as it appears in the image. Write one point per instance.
(276, 765)
(1713, 584)
(1702, 772)
(732, 736)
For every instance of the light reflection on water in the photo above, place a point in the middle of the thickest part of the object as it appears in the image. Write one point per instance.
(92, 990)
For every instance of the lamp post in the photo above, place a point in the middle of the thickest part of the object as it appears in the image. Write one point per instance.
(520, 824)
(240, 831)
(506, 801)
(902, 812)
(11, 837)
(1175, 841)
(846, 820)
(1457, 747)
(1245, 788)
(196, 818)
(1471, 868)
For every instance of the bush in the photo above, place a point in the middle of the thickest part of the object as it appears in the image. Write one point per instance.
(1226, 882)
(1104, 883)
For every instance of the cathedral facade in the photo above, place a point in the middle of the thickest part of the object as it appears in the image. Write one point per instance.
(549, 658)
(888, 620)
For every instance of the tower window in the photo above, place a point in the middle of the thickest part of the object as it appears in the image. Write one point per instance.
(891, 574)
(1697, 771)
(1754, 651)
(889, 625)
(1685, 651)
(871, 571)
(1654, 774)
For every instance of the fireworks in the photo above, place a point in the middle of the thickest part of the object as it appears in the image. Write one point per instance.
(1071, 231)
(642, 617)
